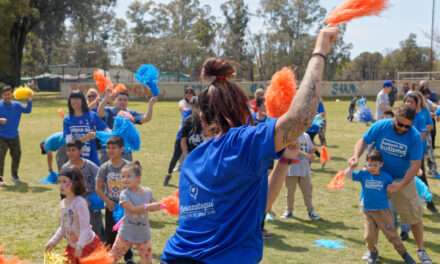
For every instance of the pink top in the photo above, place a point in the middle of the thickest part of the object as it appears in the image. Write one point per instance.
(75, 223)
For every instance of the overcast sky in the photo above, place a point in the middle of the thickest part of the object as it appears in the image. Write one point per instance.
(368, 34)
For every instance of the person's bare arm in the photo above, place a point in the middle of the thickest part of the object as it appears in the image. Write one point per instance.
(359, 149)
(149, 114)
(409, 176)
(104, 103)
(99, 188)
(303, 109)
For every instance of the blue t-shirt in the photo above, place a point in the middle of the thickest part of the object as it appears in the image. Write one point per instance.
(12, 112)
(54, 142)
(397, 150)
(223, 194)
(374, 189)
(111, 112)
(76, 127)
(185, 114)
(258, 121)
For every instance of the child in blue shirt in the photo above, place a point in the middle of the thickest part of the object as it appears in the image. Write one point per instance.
(378, 215)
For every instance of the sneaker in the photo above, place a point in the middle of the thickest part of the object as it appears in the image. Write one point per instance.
(373, 258)
(367, 255)
(287, 214)
(167, 179)
(431, 207)
(424, 257)
(404, 236)
(2, 183)
(408, 259)
(270, 216)
(314, 216)
(267, 234)
(16, 180)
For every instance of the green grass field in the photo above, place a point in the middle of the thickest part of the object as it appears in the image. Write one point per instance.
(29, 212)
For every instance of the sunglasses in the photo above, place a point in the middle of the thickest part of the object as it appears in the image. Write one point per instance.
(403, 125)
(92, 96)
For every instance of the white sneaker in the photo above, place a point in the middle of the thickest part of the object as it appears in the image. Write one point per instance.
(287, 214)
(270, 216)
(314, 216)
(424, 257)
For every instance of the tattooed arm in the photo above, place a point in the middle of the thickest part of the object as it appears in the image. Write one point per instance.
(302, 110)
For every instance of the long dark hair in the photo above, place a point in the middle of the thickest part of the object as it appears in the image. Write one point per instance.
(80, 95)
(195, 116)
(223, 104)
(77, 178)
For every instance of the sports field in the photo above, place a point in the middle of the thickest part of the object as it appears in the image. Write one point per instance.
(29, 212)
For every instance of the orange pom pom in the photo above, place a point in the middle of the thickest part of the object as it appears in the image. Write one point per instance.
(171, 204)
(280, 93)
(120, 88)
(4, 260)
(325, 157)
(99, 256)
(337, 182)
(102, 81)
(60, 112)
(351, 9)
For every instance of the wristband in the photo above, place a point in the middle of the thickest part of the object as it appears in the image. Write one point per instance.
(320, 55)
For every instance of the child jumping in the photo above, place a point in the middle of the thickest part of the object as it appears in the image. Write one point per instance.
(299, 174)
(378, 215)
(75, 218)
(137, 201)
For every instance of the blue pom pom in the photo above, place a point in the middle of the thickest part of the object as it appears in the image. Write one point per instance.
(118, 213)
(52, 178)
(95, 202)
(125, 129)
(148, 75)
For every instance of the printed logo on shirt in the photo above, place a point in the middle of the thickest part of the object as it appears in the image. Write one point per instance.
(393, 148)
(114, 185)
(374, 185)
(193, 191)
(197, 210)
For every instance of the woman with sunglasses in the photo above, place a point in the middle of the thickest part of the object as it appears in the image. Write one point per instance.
(401, 148)
(93, 99)
(423, 123)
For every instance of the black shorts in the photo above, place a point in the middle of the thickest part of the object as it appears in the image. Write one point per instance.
(43, 151)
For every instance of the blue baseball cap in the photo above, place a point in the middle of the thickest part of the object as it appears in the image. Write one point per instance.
(387, 84)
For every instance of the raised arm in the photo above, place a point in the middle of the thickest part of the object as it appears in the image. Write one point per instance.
(149, 114)
(104, 102)
(303, 109)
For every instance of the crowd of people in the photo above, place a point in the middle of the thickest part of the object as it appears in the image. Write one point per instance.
(233, 162)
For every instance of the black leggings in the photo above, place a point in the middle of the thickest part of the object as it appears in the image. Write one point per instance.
(423, 176)
(110, 235)
(176, 156)
(433, 132)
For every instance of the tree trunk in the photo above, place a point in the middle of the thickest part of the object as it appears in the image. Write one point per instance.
(10, 61)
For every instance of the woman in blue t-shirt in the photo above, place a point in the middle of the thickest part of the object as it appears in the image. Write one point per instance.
(223, 188)
(82, 124)
(423, 123)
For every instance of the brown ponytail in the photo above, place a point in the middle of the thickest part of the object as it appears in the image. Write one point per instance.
(223, 104)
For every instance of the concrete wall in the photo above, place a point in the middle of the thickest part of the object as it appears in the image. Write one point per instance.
(173, 91)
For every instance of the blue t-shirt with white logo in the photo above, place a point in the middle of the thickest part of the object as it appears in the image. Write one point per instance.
(54, 142)
(397, 150)
(374, 189)
(223, 194)
(75, 127)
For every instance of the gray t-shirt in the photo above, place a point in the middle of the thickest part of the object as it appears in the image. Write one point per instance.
(302, 168)
(89, 171)
(382, 98)
(111, 176)
(136, 227)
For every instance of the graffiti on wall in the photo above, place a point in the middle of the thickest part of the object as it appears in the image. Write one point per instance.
(344, 89)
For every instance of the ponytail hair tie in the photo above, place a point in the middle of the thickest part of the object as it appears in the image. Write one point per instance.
(220, 78)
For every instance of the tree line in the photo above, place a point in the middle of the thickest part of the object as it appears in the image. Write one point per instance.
(179, 35)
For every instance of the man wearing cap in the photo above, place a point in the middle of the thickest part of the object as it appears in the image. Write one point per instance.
(10, 115)
(382, 100)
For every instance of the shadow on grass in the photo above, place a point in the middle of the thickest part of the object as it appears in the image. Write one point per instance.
(325, 171)
(389, 261)
(23, 187)
(323, 228)
(338, 158)
(333, 146)
(277, 242)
